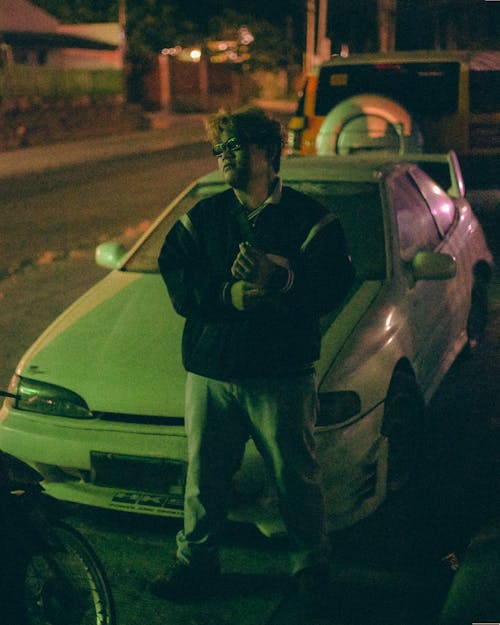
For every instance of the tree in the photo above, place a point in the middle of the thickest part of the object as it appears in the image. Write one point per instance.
(156, 24)
(151, 24)
(76, 11)
(271, 47)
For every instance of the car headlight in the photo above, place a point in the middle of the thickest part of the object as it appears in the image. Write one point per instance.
(36, 396)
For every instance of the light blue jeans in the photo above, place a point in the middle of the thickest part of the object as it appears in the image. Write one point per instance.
(279, 414)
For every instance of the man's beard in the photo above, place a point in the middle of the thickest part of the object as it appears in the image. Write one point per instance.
(237, 177)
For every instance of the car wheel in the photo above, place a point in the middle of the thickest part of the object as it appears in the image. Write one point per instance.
(403, 425)
(478, 313)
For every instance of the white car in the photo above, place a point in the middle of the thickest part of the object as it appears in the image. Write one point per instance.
(100, 395)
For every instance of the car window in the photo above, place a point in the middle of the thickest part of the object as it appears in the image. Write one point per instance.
(438, 171)
(441, 206)
(416, 226)
(357, 205)
(145, 258)
(427, 88)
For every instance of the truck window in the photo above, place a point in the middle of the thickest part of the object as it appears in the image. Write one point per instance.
(425, 89)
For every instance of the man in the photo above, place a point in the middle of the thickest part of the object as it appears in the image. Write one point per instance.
(251, 269)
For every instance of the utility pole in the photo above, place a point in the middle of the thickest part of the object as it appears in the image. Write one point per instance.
(309, 59)
(386, 10)
(122, 21)
(317, 43)
(323, 50)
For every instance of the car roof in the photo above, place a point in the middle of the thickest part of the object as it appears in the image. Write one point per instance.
(361, 168)
(477, 59)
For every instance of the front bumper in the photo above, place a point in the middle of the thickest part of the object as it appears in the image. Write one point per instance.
(353, 459)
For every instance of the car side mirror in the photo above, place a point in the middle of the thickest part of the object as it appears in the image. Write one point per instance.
(433, 266)
(110, 254)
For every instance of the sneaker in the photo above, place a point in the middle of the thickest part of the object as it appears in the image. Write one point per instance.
(185, 583)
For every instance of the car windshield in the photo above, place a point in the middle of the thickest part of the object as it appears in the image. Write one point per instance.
(357, 205)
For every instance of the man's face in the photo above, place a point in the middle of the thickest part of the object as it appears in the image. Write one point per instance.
(241, 165)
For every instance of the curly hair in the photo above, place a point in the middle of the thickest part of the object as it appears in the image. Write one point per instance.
(251, 125)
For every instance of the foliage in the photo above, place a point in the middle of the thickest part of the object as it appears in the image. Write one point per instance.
(156, 24)
(270, 49)
(53, 83)
(150, 27)
(76, 11)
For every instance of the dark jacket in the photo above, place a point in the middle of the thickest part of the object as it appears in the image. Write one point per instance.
(281, 336)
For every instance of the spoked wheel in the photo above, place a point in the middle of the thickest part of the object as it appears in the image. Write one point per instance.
(403, 426)
(67, 586)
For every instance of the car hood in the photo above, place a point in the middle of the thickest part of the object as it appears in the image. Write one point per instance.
(119, 346)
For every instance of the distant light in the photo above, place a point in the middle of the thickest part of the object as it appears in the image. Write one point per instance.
(195, 54)
(171, 51)
(246, 36)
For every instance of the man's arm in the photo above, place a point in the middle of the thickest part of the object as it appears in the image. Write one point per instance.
(316, 280)
(324, 272)
(185, 271)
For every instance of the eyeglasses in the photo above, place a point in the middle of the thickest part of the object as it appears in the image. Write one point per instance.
(231, 144)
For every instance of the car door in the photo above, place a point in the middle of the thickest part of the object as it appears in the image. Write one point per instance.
(429, 303)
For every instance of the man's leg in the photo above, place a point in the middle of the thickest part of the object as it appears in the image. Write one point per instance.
(283, 415)
(216, 432)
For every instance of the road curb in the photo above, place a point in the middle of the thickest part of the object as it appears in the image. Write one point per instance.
(174, 133)
(168, 130)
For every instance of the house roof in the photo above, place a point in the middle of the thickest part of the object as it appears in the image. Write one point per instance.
(22, 16)
(24, 24)
(53, 40)
(106, 32)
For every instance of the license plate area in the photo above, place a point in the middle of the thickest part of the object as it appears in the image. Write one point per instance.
(141, 473)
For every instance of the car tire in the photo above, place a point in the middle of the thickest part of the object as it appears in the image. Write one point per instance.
(478, 313)
(343, 120)
(403, 425)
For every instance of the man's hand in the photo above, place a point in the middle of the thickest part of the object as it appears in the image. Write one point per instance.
(253, 265)
(245, 295)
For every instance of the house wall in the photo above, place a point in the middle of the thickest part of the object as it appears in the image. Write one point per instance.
(80, 58)
(109, 33)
